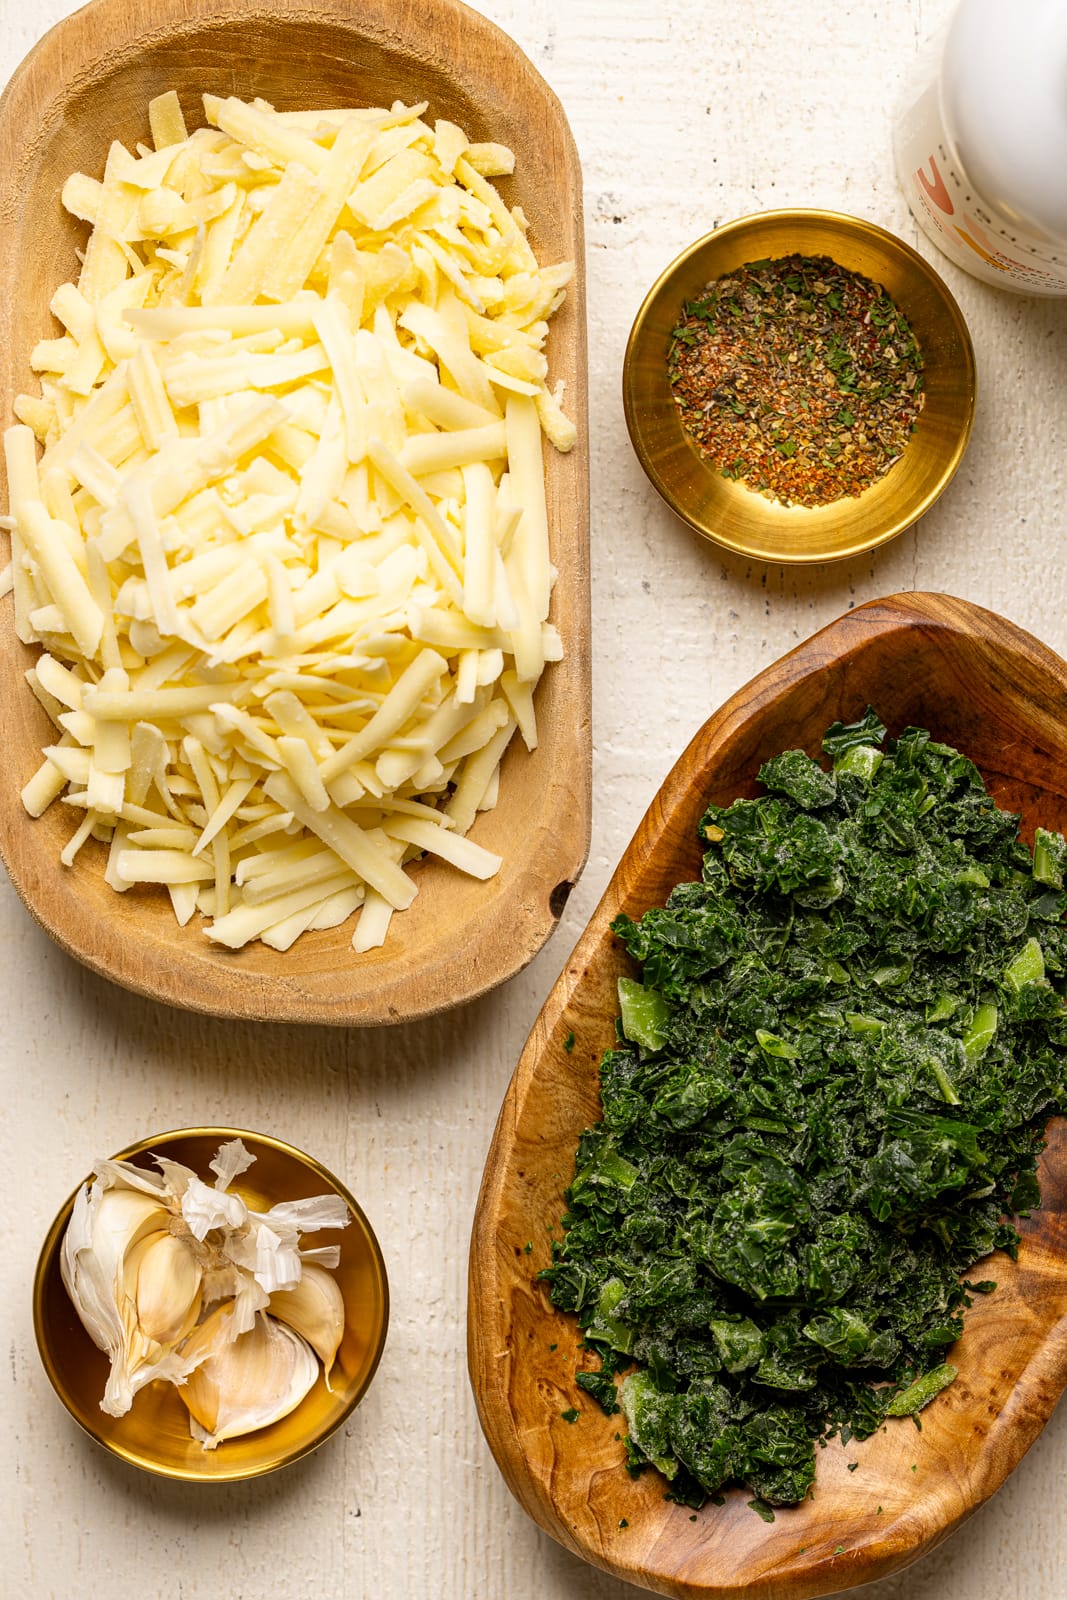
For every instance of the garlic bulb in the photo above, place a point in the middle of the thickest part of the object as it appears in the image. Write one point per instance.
(241, 1384)
(173, 1278)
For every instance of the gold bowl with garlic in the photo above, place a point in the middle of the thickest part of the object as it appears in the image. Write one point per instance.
(211, 1304)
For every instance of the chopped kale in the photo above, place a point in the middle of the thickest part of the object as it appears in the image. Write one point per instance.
(824, 1104)
(602, 1387)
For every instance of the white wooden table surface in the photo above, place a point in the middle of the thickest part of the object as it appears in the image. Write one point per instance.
(686, 113)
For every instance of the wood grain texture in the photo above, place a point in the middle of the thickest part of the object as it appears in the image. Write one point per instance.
(88, 82)
(978, 683)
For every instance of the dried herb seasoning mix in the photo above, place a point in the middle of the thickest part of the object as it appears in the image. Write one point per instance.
(797, 377)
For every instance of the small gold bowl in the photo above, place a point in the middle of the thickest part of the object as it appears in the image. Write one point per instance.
(154, 1433)
(741, 519)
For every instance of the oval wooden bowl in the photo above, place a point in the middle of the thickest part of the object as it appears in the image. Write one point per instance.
(979, 683)
(88, 82)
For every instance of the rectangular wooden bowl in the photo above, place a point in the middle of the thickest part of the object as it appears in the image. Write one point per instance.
(88, 82)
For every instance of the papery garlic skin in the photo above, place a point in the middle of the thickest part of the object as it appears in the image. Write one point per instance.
(242, 1384)
(270, 1248)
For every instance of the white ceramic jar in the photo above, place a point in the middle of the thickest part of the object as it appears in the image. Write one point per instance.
(981, 143)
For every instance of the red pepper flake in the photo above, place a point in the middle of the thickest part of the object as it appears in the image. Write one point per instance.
(797, 377)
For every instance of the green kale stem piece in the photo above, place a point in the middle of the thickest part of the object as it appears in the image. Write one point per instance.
(824, 1104)
(922, 1391)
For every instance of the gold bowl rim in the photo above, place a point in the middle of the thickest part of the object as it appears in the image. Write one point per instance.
(856, 228)
(47, 1264)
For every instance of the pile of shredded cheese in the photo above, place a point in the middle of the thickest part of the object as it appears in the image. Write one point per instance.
(286, 548)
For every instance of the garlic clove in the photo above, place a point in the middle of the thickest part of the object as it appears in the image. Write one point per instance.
(105, 1229)
(315, 1308)
(167, 1288)
(248, 1382)
(105, 1225)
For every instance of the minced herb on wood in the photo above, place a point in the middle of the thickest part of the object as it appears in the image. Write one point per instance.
(826, 1100)
(797, 377)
